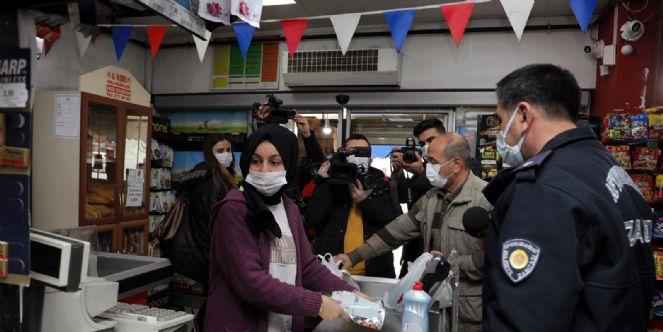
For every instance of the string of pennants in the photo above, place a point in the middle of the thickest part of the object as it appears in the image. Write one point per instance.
(457, 15)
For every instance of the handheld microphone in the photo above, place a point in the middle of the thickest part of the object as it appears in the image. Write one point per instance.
(476, 221)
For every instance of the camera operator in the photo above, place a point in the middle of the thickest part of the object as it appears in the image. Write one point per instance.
(413, 188)
(345, 215)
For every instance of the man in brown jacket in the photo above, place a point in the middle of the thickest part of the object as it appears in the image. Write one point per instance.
(438, 219)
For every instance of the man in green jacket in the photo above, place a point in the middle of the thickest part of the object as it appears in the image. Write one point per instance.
(438, 219)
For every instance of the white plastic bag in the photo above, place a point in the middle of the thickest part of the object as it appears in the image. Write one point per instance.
(361, 311)
(334, 267)
(393, 299)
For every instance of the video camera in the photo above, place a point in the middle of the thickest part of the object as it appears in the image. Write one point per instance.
(274, 112)
(409, 151)
(349, 166)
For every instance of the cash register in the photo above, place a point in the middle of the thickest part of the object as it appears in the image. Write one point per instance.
(68, 299)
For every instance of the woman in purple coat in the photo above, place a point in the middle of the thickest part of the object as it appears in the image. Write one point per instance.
(263, 275)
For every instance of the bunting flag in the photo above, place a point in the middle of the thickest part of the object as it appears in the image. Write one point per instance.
(244, 34)
(294, 30)
(517, 11)
(201, 44)
(345, 26)
(399, 24)
(50, 35)
(121, 35)
(83, 42)
(215, 11)
(248, 11)
(583, 10)
(457, 16)
(155, 35)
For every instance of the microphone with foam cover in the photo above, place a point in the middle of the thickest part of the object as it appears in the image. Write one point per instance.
(475, 221)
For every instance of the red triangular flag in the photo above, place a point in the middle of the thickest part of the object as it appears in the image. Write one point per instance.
(457, 17)
(294, 29)
(155, 35)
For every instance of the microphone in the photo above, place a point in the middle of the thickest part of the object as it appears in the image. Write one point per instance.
(475, 221)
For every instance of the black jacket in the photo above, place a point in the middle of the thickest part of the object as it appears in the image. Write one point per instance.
(190, 253)
(569, 246)
(328, 212)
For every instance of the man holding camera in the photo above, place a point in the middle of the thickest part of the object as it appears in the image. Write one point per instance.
(437, 218)
(413, 188)
(345, 215)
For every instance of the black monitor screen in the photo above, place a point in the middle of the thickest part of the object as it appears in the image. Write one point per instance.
(45, 259)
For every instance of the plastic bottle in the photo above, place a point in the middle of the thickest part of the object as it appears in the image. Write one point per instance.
(416, 303)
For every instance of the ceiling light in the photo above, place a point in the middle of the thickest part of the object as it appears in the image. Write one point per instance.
(277, 2)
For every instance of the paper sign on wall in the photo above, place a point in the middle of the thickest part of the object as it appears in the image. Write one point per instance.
(14, 77)
(135, 187)
(67, 115)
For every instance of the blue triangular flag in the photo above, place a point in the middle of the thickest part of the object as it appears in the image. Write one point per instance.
(244, 34)
(121, 35)
(583, 10)
(399, 24)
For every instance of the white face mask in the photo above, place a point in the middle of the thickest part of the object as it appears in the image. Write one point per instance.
(434, 177)
(224, 158)
(510, 153)
(267, 183)
(359, 161)
(424, 152)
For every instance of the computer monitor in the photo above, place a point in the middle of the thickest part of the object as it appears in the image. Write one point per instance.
(57, 260)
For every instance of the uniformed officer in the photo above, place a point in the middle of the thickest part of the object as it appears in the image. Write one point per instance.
(569, 246)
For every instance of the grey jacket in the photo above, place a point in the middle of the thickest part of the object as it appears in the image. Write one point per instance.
(418, 222)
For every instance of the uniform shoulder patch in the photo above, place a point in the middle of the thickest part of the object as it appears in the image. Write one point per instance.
(519, 258)
(534, 161)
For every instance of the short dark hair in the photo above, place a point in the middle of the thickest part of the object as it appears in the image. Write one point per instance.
(553, 88)
(357, 137)
(428, 124)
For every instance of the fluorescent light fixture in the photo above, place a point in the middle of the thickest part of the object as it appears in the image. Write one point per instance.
(277, 2)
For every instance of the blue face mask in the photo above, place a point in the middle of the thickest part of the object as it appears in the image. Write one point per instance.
(510, 153)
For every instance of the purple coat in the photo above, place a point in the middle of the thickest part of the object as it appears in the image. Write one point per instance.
(242, 292)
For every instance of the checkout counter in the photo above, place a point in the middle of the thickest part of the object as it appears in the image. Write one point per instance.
(76, 289)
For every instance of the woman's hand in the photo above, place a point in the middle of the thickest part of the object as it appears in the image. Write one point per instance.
(345, 260)
(364, 296)
(330, 309)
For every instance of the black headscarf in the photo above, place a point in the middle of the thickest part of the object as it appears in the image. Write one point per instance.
(259, 217)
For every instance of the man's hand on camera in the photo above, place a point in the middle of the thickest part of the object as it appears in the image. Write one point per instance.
(358, 193)
(262, 112)
(302, 125)
(416, 167)
(323, 171)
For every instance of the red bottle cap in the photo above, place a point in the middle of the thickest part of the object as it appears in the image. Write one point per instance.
(418, 286)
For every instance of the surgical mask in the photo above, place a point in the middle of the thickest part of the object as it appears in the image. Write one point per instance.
(434, 177)
(267, 183)
(510, 153)
(361, 162)
(224, 158)
(424, 152)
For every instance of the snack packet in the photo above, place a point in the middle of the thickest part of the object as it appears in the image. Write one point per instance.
(622, 153)
(645, 184)
(646, 158)
(658, 226)
(639, 126)
(362, 312)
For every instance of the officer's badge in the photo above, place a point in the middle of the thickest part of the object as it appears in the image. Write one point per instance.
(519, 258)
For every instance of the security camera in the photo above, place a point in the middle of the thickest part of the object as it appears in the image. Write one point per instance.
(632, 30)
(342, 99)
(595, 49)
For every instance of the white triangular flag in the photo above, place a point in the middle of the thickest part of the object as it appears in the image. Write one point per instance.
(518, 12)
(201, 44)
(345, 26)
(83, 43)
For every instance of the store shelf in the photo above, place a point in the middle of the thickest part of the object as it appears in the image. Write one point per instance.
(160, 190)
(630, 141)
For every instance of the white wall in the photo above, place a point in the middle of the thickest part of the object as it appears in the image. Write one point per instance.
(428, 61)
(60, 69)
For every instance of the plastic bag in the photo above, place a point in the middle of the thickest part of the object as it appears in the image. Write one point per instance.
(362, 312)
(394, 298)
(334, 267)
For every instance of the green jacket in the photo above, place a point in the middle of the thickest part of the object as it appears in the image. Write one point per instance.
(418, 223)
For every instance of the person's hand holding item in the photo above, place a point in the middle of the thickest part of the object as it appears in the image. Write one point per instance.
(344, 259)
(262, 112)
(416, 167)
(330, 309)
(396, 158)
(302, 125)
(364, 296)
(358, 193)
(323, 171)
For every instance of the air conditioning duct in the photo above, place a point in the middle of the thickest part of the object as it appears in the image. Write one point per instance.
(369, 67)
